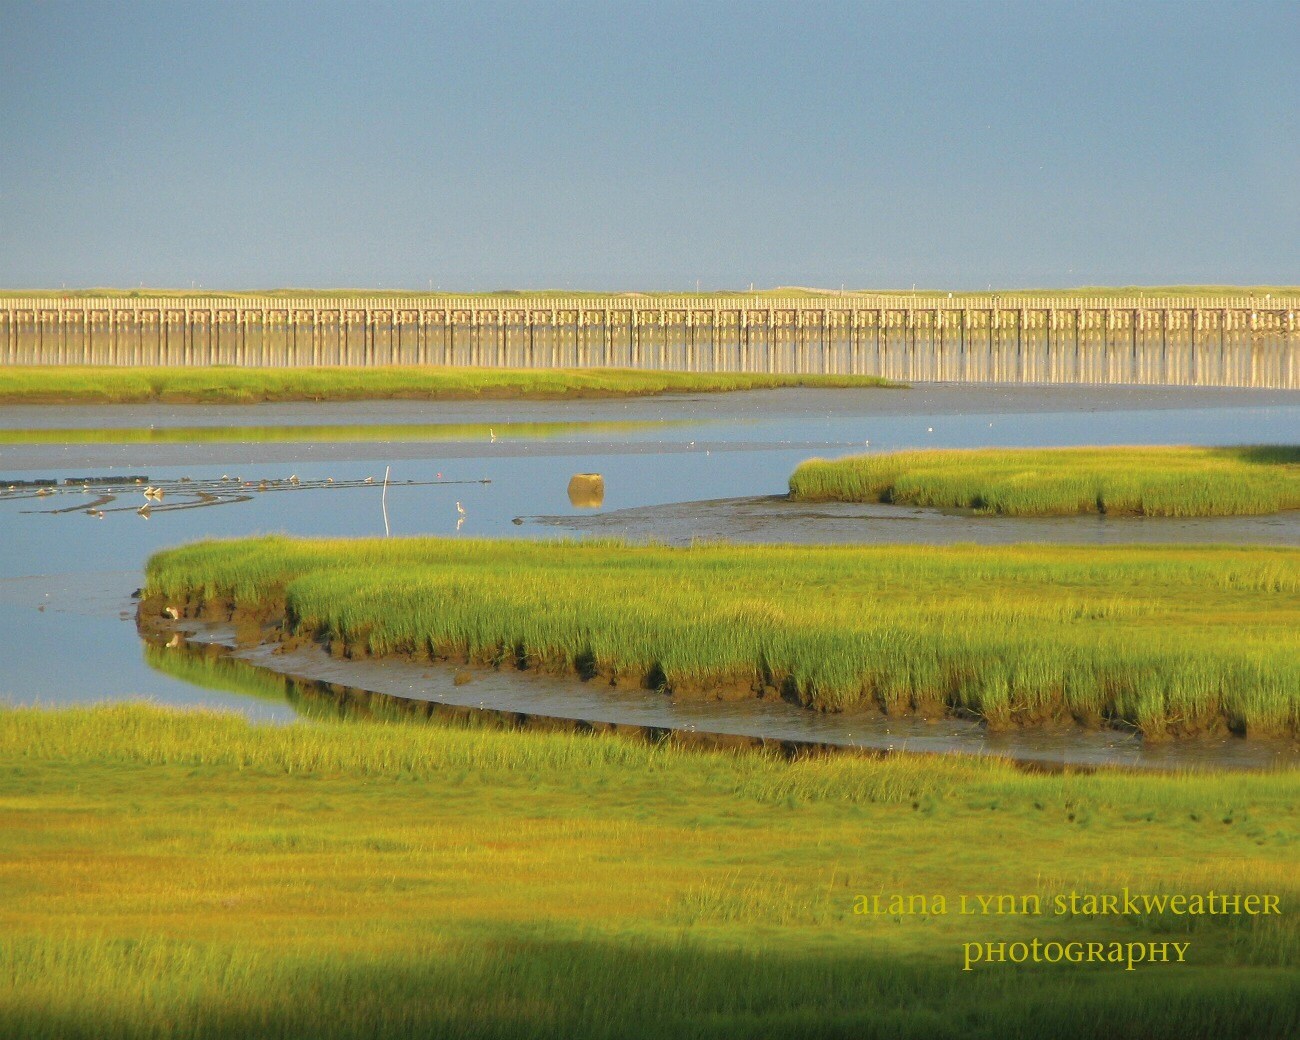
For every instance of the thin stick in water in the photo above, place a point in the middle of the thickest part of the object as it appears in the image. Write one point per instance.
(383, 500)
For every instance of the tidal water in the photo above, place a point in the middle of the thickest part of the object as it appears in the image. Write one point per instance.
(673, 468)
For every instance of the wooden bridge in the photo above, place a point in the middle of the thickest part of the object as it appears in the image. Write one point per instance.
(1193, 340)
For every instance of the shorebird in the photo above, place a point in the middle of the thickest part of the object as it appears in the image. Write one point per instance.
(460, 509)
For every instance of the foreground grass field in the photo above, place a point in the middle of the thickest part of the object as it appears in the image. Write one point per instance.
(1167, 639)
(171, 874)
(116, 385)
(1146, 481)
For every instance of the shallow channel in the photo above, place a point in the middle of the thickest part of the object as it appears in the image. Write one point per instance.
(675, 468)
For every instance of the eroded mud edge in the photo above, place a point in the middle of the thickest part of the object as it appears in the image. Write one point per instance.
(160, 619)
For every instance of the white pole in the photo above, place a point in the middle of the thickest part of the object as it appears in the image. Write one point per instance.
(383, 500)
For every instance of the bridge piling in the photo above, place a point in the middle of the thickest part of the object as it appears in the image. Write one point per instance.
(1207, 341)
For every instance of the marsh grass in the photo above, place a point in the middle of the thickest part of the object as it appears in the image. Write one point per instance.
(355, 433)
(1166, 639)
(117, 385)
(1147, 481)
(192, 874)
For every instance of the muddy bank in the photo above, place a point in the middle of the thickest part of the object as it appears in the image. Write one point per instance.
(779, 519)
(323, 698)
(753, 715)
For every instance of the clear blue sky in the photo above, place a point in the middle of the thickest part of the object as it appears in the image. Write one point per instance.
(617, 146)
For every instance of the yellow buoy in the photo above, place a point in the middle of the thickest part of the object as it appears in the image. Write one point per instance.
(587, 490)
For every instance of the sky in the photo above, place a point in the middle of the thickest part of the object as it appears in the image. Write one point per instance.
(657, 146)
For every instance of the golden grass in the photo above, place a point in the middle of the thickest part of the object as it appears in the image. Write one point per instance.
(193, 875)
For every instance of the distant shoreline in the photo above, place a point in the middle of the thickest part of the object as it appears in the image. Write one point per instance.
(779, 292)
(236, 385)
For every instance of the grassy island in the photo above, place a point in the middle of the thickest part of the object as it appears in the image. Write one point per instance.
(190, 874)
(1147, 481)
(1172, 640)
(218, 385)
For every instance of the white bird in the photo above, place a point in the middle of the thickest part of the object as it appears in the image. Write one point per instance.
(460, 509)
(929, 429)
(492, 433)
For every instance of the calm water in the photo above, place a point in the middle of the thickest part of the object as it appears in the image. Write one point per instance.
(66, 578)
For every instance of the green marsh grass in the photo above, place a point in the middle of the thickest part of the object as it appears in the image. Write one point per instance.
(117, 385)
(192, 874)
(1167, 639)
(1147, 481)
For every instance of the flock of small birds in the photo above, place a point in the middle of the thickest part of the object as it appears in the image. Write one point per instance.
(190, 493)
